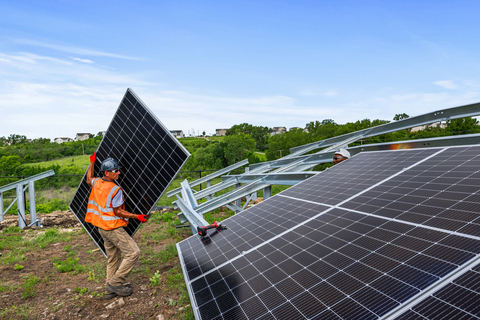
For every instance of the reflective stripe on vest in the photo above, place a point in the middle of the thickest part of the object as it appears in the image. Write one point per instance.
(109, 198)
(99, 211)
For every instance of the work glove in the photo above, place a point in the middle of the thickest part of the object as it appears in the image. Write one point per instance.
(142, 217)
(93, 156)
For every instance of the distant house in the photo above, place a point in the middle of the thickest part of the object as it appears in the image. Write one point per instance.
(82, 136)
(62, 140)
(177, 133)
(293, 128)
(220, 132)
(278, 130)
(101, 133)
(442, 125)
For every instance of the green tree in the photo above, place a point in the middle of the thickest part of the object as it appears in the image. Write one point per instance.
(401, 116)
(238, 147)
(258, 133)
(15, 139)
(8, 165)
(462, 126)
(280, 144)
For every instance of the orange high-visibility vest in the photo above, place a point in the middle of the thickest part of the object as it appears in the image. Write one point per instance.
(99, 210)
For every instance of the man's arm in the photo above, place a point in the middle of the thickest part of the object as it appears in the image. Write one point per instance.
(119, 212)
(90, 168)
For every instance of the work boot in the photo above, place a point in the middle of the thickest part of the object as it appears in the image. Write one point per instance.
(108, 296)
(124, 285)
(121, 291)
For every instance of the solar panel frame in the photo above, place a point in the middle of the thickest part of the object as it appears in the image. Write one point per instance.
(143, 187)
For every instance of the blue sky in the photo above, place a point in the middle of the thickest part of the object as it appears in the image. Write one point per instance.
(64, 65)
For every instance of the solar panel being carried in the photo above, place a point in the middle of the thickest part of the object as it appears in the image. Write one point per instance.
(150, 158)
(387, 234)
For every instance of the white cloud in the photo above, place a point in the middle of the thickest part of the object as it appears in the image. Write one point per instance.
(82, 60)
(447, 84)
(50, 97)
(318, 92)
(75, 50)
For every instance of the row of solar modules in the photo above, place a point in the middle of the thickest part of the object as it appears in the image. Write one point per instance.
(357, 241)
(149, 157)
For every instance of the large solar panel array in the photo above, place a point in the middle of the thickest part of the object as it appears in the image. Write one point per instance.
(366, 239)
(149, 156)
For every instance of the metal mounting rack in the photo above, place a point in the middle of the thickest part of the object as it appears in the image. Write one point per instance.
(291, 169)
(21, 186)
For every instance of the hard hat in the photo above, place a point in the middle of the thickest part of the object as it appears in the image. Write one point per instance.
(109, 164)
(343, 152)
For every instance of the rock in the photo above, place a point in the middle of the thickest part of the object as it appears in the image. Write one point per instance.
(181, 309)
(133, 299)
(68, 289)
(160, 317)
(143, 288)
(104, 316)
(116, 304)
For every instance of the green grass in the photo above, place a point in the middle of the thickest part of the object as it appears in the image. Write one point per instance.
(79, 161)
(260, 156)
(16, 245)
(29, 289)
(217, 138)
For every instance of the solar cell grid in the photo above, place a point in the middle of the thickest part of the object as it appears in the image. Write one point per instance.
(362, 171)
(457, 300)
(245, 231)
(298, 266)
(348, 264)
(436, 196)
(134, 138)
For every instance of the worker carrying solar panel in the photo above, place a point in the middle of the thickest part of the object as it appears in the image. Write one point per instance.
(340, 155)
(106, 210)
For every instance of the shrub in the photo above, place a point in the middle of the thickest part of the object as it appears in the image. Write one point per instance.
(51, 206)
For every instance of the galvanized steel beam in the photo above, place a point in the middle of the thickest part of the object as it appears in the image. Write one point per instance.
(196, 220)
(282, 178)
(210, 176)
(466, 139)
(428, 118)
(36, 177)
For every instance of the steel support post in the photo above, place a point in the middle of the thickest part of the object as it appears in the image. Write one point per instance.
(209, 183)
(33, 208)
(254, 195)
(20, 207)
(1, 206)
(267, 192)
(238, 202)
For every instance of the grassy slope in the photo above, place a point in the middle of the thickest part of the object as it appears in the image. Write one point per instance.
(79, 161)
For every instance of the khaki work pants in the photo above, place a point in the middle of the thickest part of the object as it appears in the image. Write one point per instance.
(116, 242)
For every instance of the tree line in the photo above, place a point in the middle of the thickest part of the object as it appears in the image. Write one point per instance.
(240, 143)
(42, 149)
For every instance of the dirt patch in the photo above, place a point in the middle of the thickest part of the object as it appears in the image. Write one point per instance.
(60, 219)
(78, 295)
